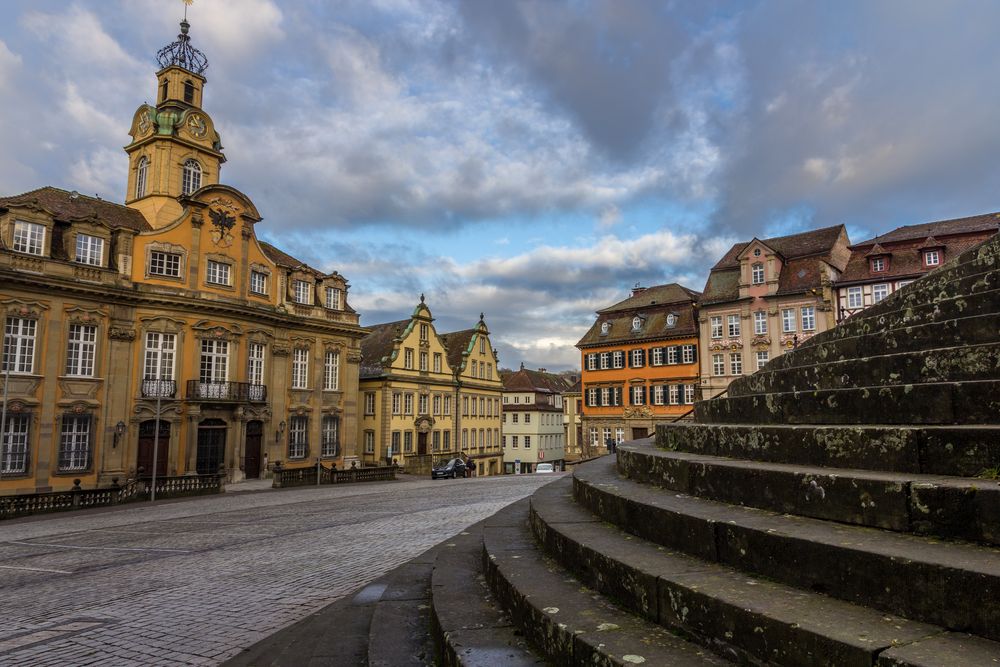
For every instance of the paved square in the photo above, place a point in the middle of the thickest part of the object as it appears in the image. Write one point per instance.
(194, 582)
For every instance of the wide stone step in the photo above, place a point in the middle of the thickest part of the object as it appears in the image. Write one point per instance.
(567, 622)
(399, 633)
(939, 310)
(960, 451)
(924, 504)
(954, 364)
(953, 585)
(964, 331)
(747, 619)
(976, 402)
(469, 628)
(951, 648)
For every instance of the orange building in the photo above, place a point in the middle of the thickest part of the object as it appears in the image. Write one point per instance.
(640, 363)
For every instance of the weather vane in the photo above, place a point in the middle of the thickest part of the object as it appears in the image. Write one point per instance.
(187, 3)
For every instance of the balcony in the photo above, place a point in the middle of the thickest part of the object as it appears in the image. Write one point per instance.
(159, 388)
(226, 392)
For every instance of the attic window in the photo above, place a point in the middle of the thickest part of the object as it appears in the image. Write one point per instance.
(756, 252)
(163, 91)
(878, 264)
(189, 92)
(605, 326)
(671, 320)
(932, 258)
(636, 323)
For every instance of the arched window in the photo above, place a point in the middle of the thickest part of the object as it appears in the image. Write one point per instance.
(191, 178)
(163, 91)
(141, 168)
(189, 92)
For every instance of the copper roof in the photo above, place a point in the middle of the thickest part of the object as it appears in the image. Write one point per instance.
(72, 207)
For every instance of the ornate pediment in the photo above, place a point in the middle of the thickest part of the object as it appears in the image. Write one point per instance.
(21, 308)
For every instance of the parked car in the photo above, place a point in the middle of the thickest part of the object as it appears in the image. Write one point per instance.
(545, 467)
(452, 468)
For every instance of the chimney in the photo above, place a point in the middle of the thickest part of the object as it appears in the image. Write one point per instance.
(541, 370)
(637, 289)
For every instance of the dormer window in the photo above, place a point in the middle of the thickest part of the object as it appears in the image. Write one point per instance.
(757, 273)
(932, 257)
(29, 237)
(189, 92)
(671, 320)
(303, 292)
(636, 323)
(878, 264)
(89, 250)
(191, 177)
(605, 326)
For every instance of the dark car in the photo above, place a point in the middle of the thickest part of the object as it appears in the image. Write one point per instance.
(452, 468)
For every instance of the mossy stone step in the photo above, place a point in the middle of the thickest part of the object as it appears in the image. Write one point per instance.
(953, 585)
(953, 364)
(948, 649)
(905, 502)
(961, 451)
(746, 619)
(566, 621)
(468, 626)
(973, 402)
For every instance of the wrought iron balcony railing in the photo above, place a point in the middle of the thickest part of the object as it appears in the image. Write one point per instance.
(159, 388)
(233, 392)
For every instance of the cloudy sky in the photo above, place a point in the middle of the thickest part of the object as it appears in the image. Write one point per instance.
(531, 160)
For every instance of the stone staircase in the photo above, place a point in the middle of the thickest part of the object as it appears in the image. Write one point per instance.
(839, 507)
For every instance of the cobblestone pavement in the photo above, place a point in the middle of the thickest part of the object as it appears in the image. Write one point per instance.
(194, 582)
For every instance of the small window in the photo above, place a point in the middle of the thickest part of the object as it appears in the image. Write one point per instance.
(141, 170)
(303, 292)
(370, 403)
(878, 264)
(163, 90)
(605, 326)
(189, 92)
(164, 264)
(762, 358)
(258, 282)
(716, 322)
(879, 292)
(788, 320)
(217, 273)
(756, 252)
(437, 362)
(408, 358)
(671, 320)
(29, 237)
(424, 332)
(636, 323)
(333, 298)
(757, 274)
(932, 258)
(808, 318)
(855, 297)
(89, 250)
(760, 322)
(330, 443)
(734, 326)
(423, 361)
(190, 177)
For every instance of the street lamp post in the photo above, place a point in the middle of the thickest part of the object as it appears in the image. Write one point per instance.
(4, 445)
(156, 441)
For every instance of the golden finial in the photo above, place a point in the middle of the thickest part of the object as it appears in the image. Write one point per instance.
(187, 3)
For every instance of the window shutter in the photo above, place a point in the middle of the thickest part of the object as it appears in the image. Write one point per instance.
(694, 351)
(645, 395)
(676, 353)
(643, 356)
(628, 359)
(586, 397)
(616, 395)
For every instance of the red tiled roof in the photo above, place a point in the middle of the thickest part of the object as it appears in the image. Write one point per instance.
(971, 224)
(377, 346)
(653, 305)
(814, 242)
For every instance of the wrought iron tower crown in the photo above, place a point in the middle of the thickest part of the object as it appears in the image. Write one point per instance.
(182, 54)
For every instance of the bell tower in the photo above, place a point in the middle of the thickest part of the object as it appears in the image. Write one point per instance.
(175, 149)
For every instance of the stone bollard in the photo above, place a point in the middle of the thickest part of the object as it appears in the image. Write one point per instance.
(76, 490)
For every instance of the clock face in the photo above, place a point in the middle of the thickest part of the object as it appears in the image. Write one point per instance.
(197, 125)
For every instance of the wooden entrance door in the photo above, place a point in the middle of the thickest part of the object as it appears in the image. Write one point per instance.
(251, 455)
(147, 439)
(421, 443)
(211, 446)
(638, 433)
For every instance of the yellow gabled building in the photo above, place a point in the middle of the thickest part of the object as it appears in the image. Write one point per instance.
(428, 396)
(165, 324)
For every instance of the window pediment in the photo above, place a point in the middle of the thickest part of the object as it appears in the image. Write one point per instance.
(20, 308)
(162, 325)
(205, 329)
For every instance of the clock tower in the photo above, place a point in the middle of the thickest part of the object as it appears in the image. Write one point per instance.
(175, 149)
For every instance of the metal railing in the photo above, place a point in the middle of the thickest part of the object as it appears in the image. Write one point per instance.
(159, 388)
(233, 392)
